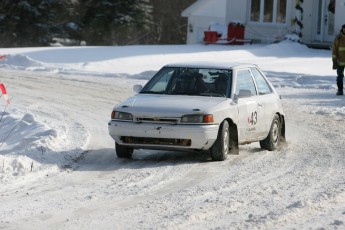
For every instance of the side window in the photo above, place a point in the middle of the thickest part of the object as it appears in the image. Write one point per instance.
(245, 82)
(261, 83)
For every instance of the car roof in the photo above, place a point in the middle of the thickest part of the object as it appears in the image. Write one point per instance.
(213, 64)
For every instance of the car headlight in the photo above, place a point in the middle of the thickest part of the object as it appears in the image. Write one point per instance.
(121, 116)
(197, 118)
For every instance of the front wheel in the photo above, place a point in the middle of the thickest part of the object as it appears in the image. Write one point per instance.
(272, 141)
(123, 151)
(220, 148)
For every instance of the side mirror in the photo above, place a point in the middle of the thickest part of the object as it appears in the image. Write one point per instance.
(137, 88)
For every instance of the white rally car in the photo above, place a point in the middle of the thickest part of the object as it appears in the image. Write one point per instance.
(200, 106)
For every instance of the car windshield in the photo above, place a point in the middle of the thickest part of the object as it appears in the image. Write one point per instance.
(190, 81)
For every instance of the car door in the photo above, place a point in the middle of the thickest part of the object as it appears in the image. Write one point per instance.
(266, 100)
(245, 94)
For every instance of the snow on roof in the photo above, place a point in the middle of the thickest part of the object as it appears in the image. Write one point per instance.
(206, 8)
(209, 64)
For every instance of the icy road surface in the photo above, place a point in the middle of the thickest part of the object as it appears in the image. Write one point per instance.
(70, 178)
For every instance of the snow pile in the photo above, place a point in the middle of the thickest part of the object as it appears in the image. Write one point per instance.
(293, 37)
(130, 60)
(23, 133)
(20, 61)
(23, 143)
(28, 146)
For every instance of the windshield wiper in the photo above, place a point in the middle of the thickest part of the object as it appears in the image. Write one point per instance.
(151, 92)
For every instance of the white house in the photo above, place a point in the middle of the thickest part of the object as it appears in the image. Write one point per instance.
(316, 22)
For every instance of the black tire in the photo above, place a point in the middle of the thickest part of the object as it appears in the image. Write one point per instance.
(220, 149)
(272, 141)
(123, 151)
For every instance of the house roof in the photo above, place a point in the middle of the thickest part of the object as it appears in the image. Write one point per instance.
(186, 12)
(206, 8)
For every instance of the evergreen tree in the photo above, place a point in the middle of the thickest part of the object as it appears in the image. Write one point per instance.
(109, 22)
(33, 23)
(98, 22)
(169, 27)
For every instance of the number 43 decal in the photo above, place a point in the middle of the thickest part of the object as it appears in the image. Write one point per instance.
(253, 118)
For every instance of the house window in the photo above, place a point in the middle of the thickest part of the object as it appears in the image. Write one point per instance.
(268, 11)
(255, 11)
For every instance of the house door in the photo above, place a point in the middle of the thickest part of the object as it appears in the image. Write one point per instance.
(323, 21)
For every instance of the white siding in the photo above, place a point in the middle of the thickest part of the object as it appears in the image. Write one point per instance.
(211, 8)
(236, 11)
(339, 15)
(200, 24)
(201, 16)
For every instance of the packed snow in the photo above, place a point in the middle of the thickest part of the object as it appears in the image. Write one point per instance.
(58, 168)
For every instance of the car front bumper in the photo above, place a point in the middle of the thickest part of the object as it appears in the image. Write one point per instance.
(163, 136)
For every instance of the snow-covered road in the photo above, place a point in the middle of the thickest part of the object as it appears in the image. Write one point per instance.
(300, 187)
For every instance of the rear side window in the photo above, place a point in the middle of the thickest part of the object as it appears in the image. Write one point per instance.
(245, 81)
(261, 83)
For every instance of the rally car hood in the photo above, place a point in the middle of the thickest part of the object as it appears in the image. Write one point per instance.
(169, 105)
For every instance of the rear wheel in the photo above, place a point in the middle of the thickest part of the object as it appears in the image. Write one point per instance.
(272, 141)
(123, 151)
(220, 148)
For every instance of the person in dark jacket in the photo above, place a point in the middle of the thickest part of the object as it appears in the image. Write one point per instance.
(338, 58)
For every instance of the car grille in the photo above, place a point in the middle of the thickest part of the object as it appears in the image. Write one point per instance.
(166, 120)
(157, 141)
